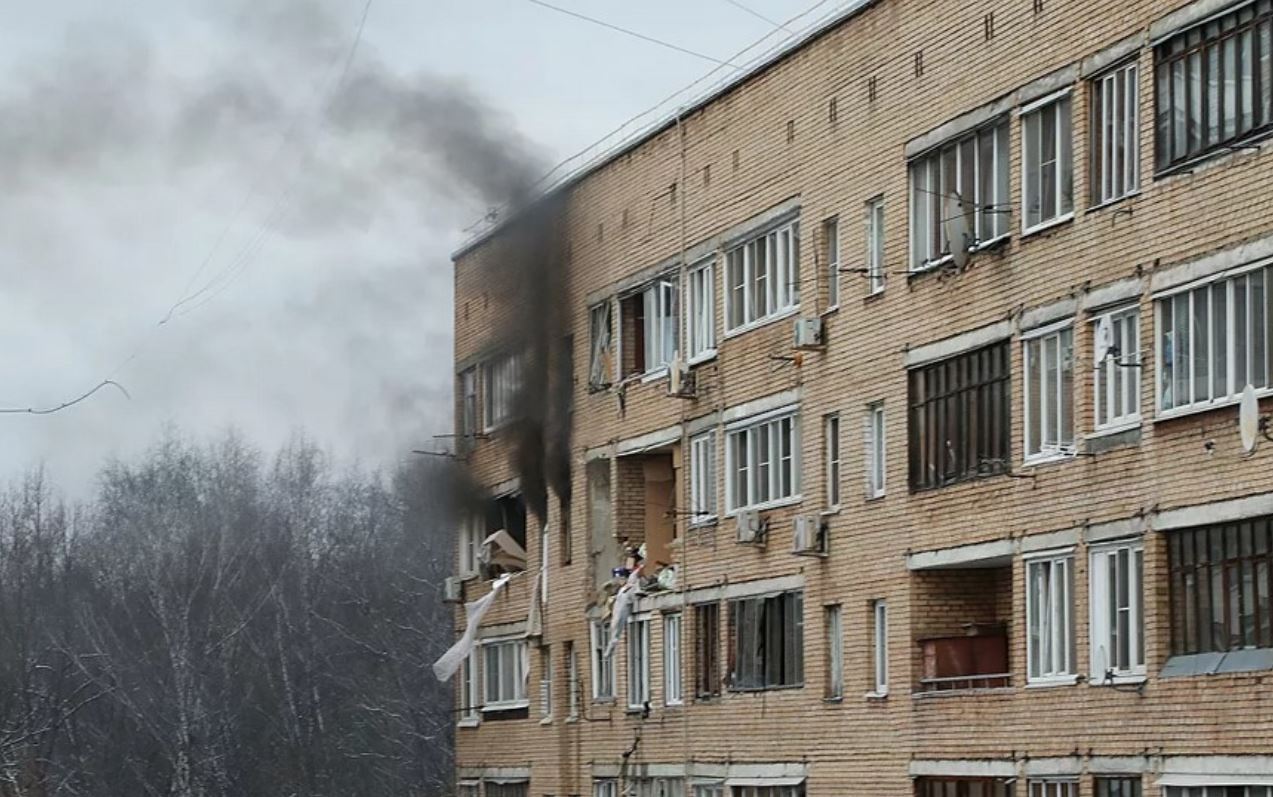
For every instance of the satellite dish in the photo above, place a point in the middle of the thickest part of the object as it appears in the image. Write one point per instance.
(956, 228)
(1249, 419)
(1104, 339)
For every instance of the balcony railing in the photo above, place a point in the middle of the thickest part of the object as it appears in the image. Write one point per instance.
(964, 683)
(976, 660)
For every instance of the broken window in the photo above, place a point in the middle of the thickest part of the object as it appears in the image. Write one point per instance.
(468, 404)
(502, 549)
(650, 326)
(767, 641)
(601, 362)
(960, 418)
(707, 649)
(502, 378)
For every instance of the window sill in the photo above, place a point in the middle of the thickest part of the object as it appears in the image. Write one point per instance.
(779, 504)
(572, 720)
(1110, 431)
(873, 296)
(762, 322)
(704, 523)
(634, 711)
(701, 357)
(757, 690)
(1196, 409)
(875, 697)
(469, 723)
(654, 376)
(833, 701)
(1043, 227)
(1053, 683)
(674, 706)
(873, 497)
(1217, 155)
(935, 265)
(830, 511)
(497, 708)
(832, 310)
(1119, 679)
(603, 701)
(546, 721)
(1113, 201)
(1050, 458)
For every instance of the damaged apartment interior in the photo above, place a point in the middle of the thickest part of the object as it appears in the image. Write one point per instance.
(896, 422)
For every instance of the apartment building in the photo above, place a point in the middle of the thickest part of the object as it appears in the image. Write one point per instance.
(905, 374)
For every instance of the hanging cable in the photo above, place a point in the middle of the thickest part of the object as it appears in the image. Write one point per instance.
(634, 34)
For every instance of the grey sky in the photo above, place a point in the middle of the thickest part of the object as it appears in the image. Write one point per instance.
(131, 135)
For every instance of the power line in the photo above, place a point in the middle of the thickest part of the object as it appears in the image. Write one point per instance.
(757, 15)
(634, 34)
(50, 410)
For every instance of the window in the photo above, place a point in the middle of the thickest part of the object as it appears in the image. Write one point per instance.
(763, 463)
(638, 663)
(1050, 617)
(707, 650)
(605, 788)
(1213, 340)
(1116, 389)
(1054, 788)
(505, 664)
(1218, 791)
(572, 682)
(876, 464)
(1115, 134)
(831, 447)
(964, 787)
(768, 791)
(703, 478)
(971, 171)
(469, 702)
(763, 277)
(831, 240)
(959, 418)
(702, 309)
(502, 378)
(468, 790)
(545, 682)
(879, 647)
(1047, 191)
(875, 245)
(767, 636)
(601, 361)
(1049, 394)
(835, 651)
(472, 532)
(519, 789)
(660, 324)
(672, 660)
(1120, 787)
(468, 403)
(1214, 84)
(657, 787)
(603, 675)
(709, 790)
(1118, 620)
(1220, 587)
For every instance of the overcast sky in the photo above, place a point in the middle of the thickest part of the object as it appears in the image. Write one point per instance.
(222, 156)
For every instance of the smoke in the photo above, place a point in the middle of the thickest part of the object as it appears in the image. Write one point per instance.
(124, 156)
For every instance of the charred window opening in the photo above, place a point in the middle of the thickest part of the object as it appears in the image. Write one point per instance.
(707, 650)
(766, 642)
(503, 550)
(960, 418)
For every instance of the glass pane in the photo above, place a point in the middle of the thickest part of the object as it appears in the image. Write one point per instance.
(1066, 431)
(1050, 391)
(1241, 334)
(1066, 143)
(1200, 341)
(1034, 384)
(1183, 348)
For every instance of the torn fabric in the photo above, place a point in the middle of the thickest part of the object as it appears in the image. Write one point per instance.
(450, 661)
(623, 609)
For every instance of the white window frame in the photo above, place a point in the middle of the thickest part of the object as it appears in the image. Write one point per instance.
(1103, 626)
(879, 648)
(1052, 787)
(750, 432)
(468, 563)
(673, 673)
(601, 342)
(661, 323)
(1190, 294)
(876, 451)
(470, 701)
(1062, 135)
(605, 787)
(1054, 663)
(1118, 371)
(988, 214)
(1035, 345)
(780, 278)
(700, 310)
(518, 655)
(703, 506)
(1115, 140)
(468, 402)
(638, 643)
(833, 457)
(831, 248)
(833, 622)
(876, 277)
(501, 379)
(603, 669)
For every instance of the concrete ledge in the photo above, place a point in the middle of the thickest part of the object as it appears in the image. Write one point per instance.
(958, 344)
(988, 554)
(1192, 14)
(1053, 767)
(963, 768)
(1115, 293)
(1252, 253)
(1215, 512)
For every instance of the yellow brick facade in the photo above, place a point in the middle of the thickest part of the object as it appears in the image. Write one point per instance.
(772, 140)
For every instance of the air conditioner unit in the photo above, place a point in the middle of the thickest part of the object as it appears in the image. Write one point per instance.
(809, 333)
(680, 379)
(806, 536)
(453, 590)
(750, 529)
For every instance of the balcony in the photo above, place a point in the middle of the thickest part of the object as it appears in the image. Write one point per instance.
(633, 517)
(961, 626)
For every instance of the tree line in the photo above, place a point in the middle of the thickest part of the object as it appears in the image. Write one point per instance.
(216, 622)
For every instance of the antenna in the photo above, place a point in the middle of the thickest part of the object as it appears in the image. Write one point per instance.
(1104, 339)
(1249, 419)
(956, 229)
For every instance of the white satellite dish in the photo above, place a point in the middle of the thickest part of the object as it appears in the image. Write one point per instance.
(1249, 419)
(956, 228)
(1104, 339)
